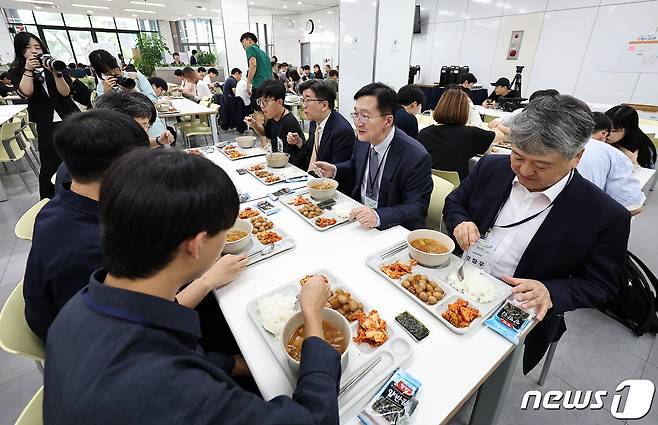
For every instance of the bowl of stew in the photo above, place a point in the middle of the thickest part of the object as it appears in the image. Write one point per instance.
(337, 332)
(429, 247)
(322, 189)
(238, 236)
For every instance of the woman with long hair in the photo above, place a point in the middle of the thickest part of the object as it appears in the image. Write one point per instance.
(48, 92)
(195, 86)
(294, 80)
(317, 72)
(627, 136)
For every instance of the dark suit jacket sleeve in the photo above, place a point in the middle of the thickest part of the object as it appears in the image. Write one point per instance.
(455, 210)
(416, 195)
(598, 280)
(343, 144)
(347, 169)
(314, 401)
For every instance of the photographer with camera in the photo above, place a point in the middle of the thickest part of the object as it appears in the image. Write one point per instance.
(111, 78)
(47, 86)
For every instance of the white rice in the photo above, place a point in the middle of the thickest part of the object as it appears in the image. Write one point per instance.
(275, 311)
(475, 284)
(342, 210)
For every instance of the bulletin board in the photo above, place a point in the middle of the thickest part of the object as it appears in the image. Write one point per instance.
(630, 53)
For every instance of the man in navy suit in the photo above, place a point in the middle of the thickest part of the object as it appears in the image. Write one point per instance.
(539, 225)
(331, 137)
(392, 171)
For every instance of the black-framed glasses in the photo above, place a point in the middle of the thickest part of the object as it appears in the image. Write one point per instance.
(364, 119)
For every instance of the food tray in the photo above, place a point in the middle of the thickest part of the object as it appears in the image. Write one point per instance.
(210, 152)
(169, 112)
(440, 276)
(340, 198)
(394, 351)
(284, 173)
(248, 153)
(254, 245)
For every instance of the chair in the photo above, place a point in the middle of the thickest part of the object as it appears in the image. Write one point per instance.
(488, 118)
(441, 190)
(33, 412)
(27, 134)
(25, 225)
(11, 151)
(451, 176)
(16, 337)
(92, 97)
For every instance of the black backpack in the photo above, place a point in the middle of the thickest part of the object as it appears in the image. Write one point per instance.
(635, 304)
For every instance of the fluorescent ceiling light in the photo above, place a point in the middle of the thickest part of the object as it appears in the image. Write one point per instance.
(143, 3)
(90, 6)
(215, 10)
(90, 12)
(34, 1)
(134, 16)
(138, 10)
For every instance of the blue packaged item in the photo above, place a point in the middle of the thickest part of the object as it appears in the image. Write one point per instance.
(394, 403)
(510, 320)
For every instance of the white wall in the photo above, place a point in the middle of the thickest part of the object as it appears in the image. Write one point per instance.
(6, 45)
(394, 47)
(165, 33)
(576, 46)
(235, 20)
(290, 30)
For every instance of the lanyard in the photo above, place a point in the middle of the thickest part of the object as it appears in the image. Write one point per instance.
(115, 312)
(379, 168)
(527, 219)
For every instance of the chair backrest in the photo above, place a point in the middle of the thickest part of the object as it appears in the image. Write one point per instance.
(25, 225)
(451, 176)
(33, 412)
(435, 211)
(488, 118)
(92, 97)
(8, 131)
(16, 337)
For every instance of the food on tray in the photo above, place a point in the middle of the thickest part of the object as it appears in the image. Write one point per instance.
(234, 235)
(194, 151)
(412, 325)
(299, 200)
(228, 148)
(424, 289)
(343, 210)
(275, 310)
(475, 284)
(342, 302)
(308, 276)
(256, 167)
(430, 246)
(272, 179)
(263, 173)
(459, 314)
(372, 328)
(325, 222)
(310, 211)
(268, 237)
(235, 154)
(332, 334)
(248, 213)
(397, 270)
(323, 185)
(261, 224)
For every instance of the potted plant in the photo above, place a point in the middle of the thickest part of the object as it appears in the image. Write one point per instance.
(205, 58)
(151, 50)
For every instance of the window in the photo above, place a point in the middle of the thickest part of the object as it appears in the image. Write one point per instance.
(81, 41)
(76, 21)
(47, 18)
(128, 42)
(58, 44)
(110, 42)
(148, 25)
(126, 23)
(102, 22)
(19, 16)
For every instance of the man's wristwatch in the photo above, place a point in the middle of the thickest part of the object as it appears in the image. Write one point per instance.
(157, 141)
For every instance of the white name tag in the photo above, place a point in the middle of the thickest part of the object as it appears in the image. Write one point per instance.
(480, 253)
(369, 202)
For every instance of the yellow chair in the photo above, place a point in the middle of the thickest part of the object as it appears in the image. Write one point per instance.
(33, 412)
(11, 151)
(441, 190)
(25, 225)
(451, 176)
(16, 337)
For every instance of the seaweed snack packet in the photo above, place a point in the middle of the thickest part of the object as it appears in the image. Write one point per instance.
(510, 320)
(394, 403)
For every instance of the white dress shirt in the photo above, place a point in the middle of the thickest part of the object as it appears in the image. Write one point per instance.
(612, 171)
(241, 90)
(207, 79)
(382, 151)
(320, 127)
(511, 243)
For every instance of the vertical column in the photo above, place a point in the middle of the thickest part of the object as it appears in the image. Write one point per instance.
(235, 20)
(395, 27)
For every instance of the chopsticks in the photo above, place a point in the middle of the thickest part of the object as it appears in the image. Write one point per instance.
(363, 372)
(393, 251)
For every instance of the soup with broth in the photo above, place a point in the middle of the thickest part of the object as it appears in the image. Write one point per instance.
(332, 334)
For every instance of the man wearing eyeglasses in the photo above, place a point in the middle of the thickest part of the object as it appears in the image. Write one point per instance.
(331, 137)
(393, 172)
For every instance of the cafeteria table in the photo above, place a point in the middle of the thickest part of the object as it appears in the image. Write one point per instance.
(11, 99)
(7, 112)
(451, 367)
(187, 107)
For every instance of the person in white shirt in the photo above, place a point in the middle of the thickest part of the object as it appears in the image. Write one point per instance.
(195, 87)
(242, 92)
(212, 73)
(609, 169)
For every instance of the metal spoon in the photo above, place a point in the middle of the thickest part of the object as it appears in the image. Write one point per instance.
(266, 250)
(460, 271)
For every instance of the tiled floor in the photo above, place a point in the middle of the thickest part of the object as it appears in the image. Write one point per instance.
(596, 353)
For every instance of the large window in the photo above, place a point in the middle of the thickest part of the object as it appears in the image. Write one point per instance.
(195, 34)
(69, 37)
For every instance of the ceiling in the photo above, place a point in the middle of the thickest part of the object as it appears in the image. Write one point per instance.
(172, 9)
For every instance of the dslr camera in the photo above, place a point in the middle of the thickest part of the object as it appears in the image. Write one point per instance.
(47, 61)
(125, 82)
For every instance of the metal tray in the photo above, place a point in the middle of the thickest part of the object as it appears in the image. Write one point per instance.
(284, 173)
(340, 198)
(248, 153)
(440, 276)
(394, 351)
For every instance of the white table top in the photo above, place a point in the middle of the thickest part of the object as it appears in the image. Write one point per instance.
(498, 113)
(187, 107)
(12, 97)
(8, 111)
(643, 175)
(447, 384)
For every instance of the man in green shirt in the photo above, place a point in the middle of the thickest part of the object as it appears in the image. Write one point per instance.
(260, 67)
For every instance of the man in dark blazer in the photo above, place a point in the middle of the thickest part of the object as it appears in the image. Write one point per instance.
(392, 171)
(556, 237)
(334, 133)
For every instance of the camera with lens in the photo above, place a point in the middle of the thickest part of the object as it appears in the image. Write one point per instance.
(519, 69)
(47, 61)
(125, 82)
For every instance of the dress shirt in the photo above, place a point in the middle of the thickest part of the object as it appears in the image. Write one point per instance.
(382, 151)
(511, 243)
(319, 128)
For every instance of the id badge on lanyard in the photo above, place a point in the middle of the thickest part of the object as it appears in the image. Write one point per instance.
(480, 253)
(279, 144)
(369, 202)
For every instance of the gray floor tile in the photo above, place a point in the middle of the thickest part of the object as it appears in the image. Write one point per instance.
(653, 355)
(15, 394)
(650, 373)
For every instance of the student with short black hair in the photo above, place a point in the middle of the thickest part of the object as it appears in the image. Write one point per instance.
(212, 73)
(411, 100)
(177, 61)
(306, 75)
(260, 67)
(202, 71)
(108, 70)
(279, 122)
(6, 86)
(283, 72)
(332, 80)
(159, 85)
(232, 81)
(135, 349)
(602, 126)
(193, 60)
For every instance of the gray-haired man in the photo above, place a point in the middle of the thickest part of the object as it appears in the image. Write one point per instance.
(537, 224)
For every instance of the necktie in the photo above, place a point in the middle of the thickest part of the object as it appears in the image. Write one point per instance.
(372, 189)
(316, 147)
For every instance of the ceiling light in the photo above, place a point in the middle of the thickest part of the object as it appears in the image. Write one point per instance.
(38, 7)
(189, 14)
(144, 3)
(89, 6)
(134, 16)
(251, 3)
(330, 12)
(90, 12)
(35, 1)
(299, 2)
(285, 7)
(215, 10)
(138, 10)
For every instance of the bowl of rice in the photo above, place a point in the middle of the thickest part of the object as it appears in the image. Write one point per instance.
(476, 284)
